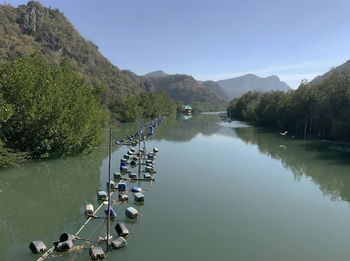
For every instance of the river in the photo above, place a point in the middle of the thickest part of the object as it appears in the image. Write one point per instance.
(223, 191)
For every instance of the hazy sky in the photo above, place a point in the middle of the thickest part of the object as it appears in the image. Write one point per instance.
(216, 39)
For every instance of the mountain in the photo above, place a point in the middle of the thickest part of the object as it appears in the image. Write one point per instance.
(155, 74)
(180, 87)
(34, 28)
(216, 88)
(343, 68)
(184, 88)
(238, 86)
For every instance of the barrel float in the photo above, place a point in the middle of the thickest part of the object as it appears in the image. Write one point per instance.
(89, 209)
(96, 252)
(122, 186)
(123, 197)
(117, 175)
(139, 197)
(136, 189)
(124, 169)
(37, 247)
(63, 246)
(146, 175)
(149, 169)
(119, 243)
(102, 195)
(121, 229)
(111, 184)
(66, 236)
(112, 213)
(131, 212)
(132, 175)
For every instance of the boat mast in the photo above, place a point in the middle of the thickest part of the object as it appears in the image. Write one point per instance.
(109, 187)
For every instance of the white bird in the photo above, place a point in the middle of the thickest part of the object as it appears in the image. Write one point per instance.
(284, 133)
(283, 147)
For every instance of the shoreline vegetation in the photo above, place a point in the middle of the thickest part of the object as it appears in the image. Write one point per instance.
(48, 110)
(319, 110)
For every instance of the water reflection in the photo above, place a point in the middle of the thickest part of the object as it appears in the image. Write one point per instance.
(178, 129)
(327, 168)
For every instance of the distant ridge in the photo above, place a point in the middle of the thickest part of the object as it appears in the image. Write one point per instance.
(238, 86)
(159, 73)
(182, 87)
(34, 28)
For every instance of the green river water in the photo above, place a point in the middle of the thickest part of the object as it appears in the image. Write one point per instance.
(223, 191)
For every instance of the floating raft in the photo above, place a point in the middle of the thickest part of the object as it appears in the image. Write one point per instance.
(133, 158)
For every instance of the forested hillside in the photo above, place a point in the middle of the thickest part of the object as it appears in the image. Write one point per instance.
(32, 27)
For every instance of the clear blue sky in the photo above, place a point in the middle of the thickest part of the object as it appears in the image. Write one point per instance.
(217, 39)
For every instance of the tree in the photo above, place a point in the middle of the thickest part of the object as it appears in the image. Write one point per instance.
(54, 112)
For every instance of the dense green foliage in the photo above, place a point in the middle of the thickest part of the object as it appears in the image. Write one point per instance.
(145, 105)
(321, 109)
(7, 156)
(32, 27)
(47, 110)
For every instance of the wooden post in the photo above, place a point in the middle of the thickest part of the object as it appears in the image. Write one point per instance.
(109, 187)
